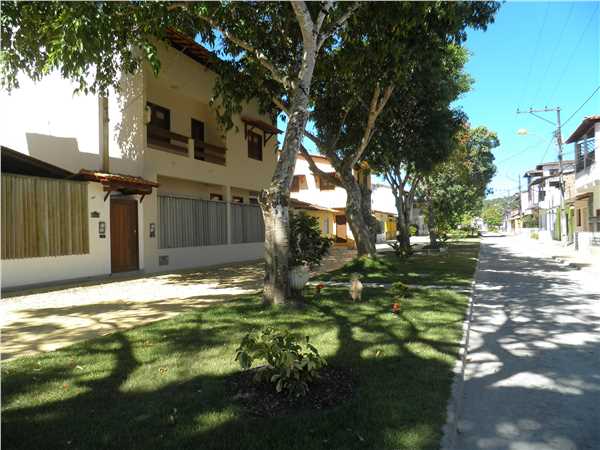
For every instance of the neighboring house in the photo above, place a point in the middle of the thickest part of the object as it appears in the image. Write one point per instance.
(544, 196)
(144, 180)
(319, 198)
(585, 197)
(384, 208)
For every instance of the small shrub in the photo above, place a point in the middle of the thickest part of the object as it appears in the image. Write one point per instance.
(399, 289)
(290, 365)
(413, 230)
(535, 235)
(307, 246)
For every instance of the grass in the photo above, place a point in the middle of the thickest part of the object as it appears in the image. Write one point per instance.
(165, 385)
(455, 267)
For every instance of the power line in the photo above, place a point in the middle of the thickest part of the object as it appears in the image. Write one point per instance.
(535, 51)
(568, 65)
(582, 105)
(551, 60)
(546, 151)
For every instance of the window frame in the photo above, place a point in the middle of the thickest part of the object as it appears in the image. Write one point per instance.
(255, 145)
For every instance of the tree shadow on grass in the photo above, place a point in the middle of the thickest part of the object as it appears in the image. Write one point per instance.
(111, 392)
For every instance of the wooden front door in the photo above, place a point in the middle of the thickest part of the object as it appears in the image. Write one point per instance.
(123, 235)
(340, 229)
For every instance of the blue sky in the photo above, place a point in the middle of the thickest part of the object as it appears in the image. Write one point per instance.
(535, 54)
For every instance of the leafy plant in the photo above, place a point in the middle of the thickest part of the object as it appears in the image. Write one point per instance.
(412, 230)
(307, 246)
(535, 235)
(400, 289)
(290, 365)
(399, 249)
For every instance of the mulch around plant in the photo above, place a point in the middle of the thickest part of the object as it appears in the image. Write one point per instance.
(333, 387)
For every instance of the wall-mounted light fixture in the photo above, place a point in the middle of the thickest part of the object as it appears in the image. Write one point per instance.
(102, 229)
(152, 230)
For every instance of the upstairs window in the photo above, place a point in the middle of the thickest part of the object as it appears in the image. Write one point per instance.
(198, 137)
(298, 182)
(217, 197)
(324, 183)
(236, 199)
(255, 144)
(160, 124)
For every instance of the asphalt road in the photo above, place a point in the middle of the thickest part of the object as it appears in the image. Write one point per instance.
(532, 377)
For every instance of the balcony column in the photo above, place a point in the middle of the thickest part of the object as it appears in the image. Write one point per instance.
(191, 148)
(229, 215)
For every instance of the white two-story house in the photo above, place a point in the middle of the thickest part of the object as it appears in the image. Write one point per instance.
(142, 180)
(585, 140)
(543, 197)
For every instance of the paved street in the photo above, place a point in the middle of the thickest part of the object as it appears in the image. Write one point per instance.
(532, 379)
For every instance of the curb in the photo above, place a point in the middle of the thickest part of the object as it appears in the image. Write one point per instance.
(454, 409)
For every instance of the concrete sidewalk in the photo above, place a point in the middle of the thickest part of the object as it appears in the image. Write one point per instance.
(532, 376)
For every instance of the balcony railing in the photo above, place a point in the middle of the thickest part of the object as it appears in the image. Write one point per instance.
(209, 153)
(585, 161)
(168, 141)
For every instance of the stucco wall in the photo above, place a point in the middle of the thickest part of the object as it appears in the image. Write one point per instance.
(21, 272)
(189, 257)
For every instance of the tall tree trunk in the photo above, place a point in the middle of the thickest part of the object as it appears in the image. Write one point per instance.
(275, 199)
(431, 224)
(402, 232)
(361, 226)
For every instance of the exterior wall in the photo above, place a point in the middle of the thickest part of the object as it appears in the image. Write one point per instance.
(326, 221)
(47, 121)
(189, 257)
(29, 271)
(334, 198)
(586, 180)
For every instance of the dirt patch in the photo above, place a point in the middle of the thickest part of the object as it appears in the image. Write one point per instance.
(334, 386)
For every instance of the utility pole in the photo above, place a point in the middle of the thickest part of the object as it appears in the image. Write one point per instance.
(520, 202)
(558, 134)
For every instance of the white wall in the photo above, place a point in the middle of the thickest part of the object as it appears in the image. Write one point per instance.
(22, 272)
(334, 198)
(190, 257)
(382, 199)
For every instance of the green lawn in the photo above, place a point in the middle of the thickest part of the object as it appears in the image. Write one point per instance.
(455, 267)
(164, 386)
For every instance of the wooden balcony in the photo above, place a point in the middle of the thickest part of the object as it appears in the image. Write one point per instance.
(209, 153)
(167, 141)
(178, 144)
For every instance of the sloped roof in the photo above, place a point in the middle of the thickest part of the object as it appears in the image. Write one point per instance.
(23, 164)
(298, 204)
(583, 127)
(189, 47)
(116, 181)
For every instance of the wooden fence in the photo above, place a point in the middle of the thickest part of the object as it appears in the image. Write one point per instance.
(43, 217)
(247, 224)
(186, 222)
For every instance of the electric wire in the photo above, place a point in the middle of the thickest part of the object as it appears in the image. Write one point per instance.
(535, 51)
(551, 60)
(582, 105)
(574, 52)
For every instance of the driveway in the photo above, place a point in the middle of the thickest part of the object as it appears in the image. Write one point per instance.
(47, 319)
(532, 377)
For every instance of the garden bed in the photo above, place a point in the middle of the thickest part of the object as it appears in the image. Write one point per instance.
(333, 387)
